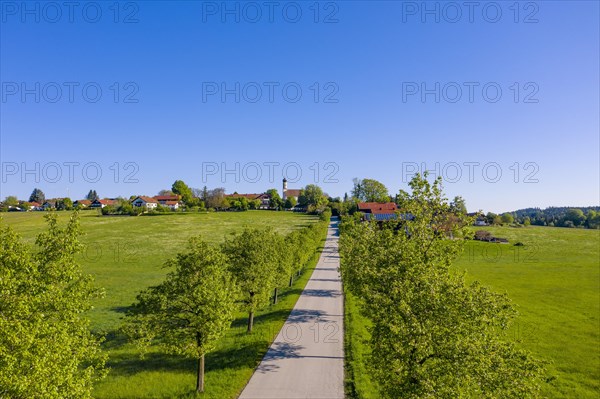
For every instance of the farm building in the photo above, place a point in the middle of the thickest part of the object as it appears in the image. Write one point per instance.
(101, 203)
(144, 202)
(82, 203)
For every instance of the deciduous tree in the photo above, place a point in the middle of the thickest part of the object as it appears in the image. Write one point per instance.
(182, 189)
(11, 200)
(253, 261)
(370, 190)
(275, 200)
(312, 195)
(507, 218)
(46, 347)
(191, 309)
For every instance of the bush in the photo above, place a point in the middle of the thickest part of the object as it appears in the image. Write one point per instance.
(325, 215)
(483, 235)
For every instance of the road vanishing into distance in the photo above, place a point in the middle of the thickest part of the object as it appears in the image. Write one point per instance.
(306, 360)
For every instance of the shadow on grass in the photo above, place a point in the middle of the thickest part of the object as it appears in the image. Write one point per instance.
(241, 322)
(244, 356)
(121, 309)
(114, 339)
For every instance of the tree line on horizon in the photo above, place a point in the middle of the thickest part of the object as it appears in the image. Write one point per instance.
(314, 200)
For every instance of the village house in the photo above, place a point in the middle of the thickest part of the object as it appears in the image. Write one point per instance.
(145, 202)
(35, 206)
(379, 211)
(50, 204)
(101, 203)
(170, 201)
(82, 204)
(479, 218)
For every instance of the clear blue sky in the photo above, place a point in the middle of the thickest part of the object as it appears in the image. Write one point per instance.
(368, 57)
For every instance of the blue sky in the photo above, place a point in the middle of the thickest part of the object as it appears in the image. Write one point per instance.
(361, 68)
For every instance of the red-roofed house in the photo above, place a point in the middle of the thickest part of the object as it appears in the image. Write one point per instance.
(171, 201)
(146, 202)
(101, 203)
(82, 203)
(377, 207)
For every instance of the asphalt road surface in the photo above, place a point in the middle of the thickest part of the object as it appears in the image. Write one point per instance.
(306, 360)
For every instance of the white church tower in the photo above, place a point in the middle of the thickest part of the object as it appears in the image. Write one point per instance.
(284, 196)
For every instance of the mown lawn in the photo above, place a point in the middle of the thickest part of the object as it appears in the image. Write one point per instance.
(554, 279)
(126, 254)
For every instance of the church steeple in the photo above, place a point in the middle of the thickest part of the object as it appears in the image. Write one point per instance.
(284, 189)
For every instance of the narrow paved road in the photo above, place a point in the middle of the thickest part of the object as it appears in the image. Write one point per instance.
(306, 360)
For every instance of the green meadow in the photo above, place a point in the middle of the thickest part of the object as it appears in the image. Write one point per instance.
(554, 279)
(126, 254)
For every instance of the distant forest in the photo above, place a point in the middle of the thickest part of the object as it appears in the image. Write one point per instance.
(588, 217)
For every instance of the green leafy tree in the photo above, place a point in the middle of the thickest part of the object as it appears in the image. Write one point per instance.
(489, 217)
(576, 216)
(433, 334)
(191, 309)
(370, 190)
(275, 200)
(64, 204)
(182, 189)
(38, 196)
(526, 221)
(240, 204)
(290, 203)
(46, 347)
(11, 200)
(253, 261)
(459, 205)
(285, 265)
(312, 195)
(255, 204)
(593, 219)
(507, 218)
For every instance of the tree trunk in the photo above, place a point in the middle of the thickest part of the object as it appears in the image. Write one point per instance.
(200, 380)
(275, 297)
(250, 321)
(291, 280)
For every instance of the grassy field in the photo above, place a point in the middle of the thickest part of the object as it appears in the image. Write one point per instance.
(554, 279)
(126, 254)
